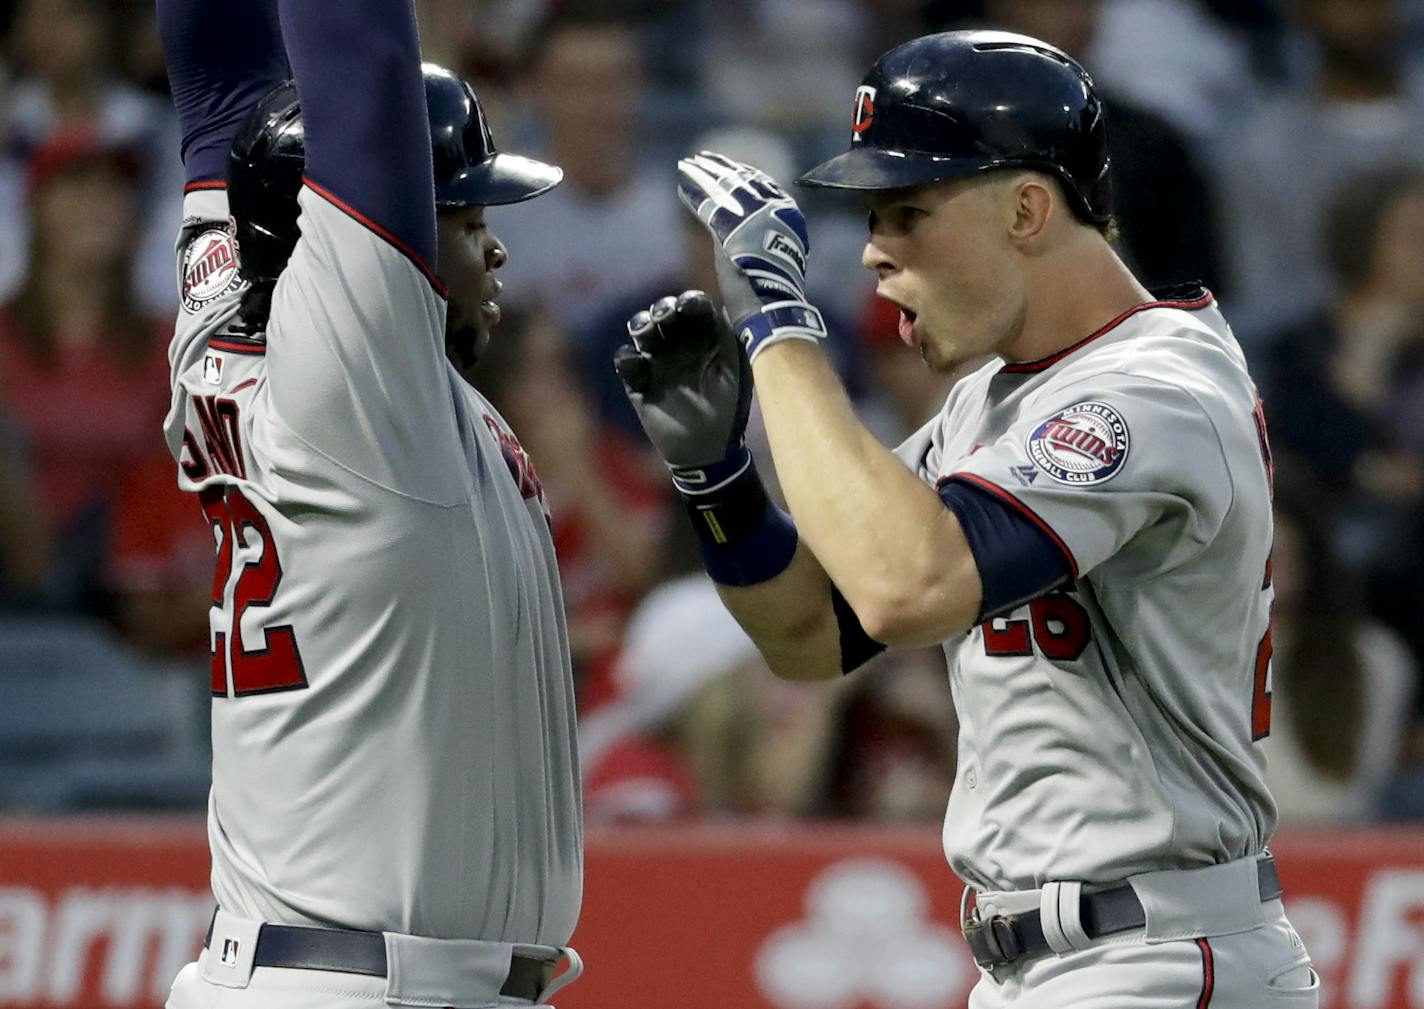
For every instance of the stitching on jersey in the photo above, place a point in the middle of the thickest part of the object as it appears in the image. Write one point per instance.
(277, 416)
(1042, 363)
(386, 236)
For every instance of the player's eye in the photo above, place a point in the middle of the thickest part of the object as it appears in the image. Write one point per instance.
(896, 220)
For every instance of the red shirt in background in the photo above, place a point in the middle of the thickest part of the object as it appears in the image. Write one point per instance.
(591, 590)
(88, 415)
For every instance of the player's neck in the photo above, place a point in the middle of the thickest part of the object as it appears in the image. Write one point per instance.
(1072, 295)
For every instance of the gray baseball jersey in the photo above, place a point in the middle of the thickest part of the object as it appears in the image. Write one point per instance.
(1110, 728)
(393, 712)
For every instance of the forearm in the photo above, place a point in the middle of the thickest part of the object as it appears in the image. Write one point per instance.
(882, 535)
(791, 620)
(220, 62)
(367, 130)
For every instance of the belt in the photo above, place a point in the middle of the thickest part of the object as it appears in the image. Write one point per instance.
(1006, 938)
(353, 952)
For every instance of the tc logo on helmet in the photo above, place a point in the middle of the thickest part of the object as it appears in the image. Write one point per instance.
(864, 111)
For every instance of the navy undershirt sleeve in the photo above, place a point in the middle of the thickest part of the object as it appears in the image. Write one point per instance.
(357, 68)
(1017, 561)
(220, 61)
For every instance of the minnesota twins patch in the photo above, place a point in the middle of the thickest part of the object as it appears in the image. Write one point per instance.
(209, 268)
(1083, 445)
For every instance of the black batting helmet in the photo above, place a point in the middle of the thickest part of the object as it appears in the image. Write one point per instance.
(957, 103)
(269, 153)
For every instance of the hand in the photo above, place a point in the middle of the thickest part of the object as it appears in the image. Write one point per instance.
(691, 386)
(762, 247)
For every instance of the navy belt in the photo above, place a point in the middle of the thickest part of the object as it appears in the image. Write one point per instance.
(1007, 938)
(353, 952)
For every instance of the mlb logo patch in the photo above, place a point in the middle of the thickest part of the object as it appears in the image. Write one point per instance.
(209, 268)
(1083, 445)
(229, 952)
(212, 369)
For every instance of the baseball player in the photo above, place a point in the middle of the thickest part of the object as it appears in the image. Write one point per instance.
(395, 803)
(1086, 525)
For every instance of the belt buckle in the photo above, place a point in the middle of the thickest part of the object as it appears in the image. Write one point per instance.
(993, 941)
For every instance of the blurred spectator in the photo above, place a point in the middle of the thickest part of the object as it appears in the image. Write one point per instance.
(680, 640)
(159, 571)
(612, 224)
(1343, 390)
(82, 369)
(1176, 58)
(609, 518)
(14, 219)
(832, 283)
(67, 84)
(1337, 386)
(1288, 155)
(791, 66)
(891, 755)
(699, 724)
(24, 539)
(142, 48)
(1160, 197)
(1342, 685)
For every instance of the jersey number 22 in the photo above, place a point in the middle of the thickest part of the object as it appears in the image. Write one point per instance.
(271, 662)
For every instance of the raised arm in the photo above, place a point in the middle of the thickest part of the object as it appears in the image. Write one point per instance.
(220, 61)
(357, 68)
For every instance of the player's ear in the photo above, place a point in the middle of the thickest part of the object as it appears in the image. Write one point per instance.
(1033, 200)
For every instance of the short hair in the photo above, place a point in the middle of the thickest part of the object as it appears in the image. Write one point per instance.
(1354, 215)
(595, 15)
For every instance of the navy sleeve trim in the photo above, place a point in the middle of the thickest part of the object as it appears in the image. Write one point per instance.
(857, 647)
(381, 233)
(1017, 560)
(1017, 505)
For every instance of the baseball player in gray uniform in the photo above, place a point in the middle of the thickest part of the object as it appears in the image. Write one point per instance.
(395, 805)
(1086, 526)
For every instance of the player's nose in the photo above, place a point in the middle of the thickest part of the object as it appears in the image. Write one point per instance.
(496, 255)
(875, 257)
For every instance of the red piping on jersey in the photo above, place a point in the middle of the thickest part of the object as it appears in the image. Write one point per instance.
(244, 385)
(1045, 362)
(194, 187)
(1208, 973)
(388, 237)
(1021, 508)
(233, 347)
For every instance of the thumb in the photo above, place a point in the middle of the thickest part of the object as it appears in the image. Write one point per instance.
(633, 368)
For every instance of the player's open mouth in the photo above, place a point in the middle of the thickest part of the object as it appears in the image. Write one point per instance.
(907, 326)
(489, 308)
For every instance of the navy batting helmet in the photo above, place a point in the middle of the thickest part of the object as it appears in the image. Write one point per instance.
(956, 103)
(268, 155)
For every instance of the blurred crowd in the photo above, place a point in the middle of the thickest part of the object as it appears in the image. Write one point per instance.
(1271, 148)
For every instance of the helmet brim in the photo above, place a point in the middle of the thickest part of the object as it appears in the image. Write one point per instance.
(873, 168)
(499, 180)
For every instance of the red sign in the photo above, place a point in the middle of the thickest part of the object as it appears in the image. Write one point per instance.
(101, 914)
